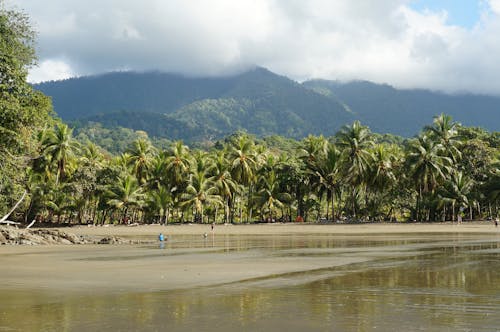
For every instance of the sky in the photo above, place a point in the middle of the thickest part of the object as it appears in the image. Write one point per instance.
(446, 45)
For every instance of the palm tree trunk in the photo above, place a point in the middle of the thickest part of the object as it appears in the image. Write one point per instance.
(333, 205)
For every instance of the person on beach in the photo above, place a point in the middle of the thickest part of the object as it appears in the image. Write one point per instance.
(213, 225)
(161, 238)
(496, 222)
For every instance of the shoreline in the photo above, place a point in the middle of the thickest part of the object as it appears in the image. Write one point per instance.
(262, 255)
(284, 228)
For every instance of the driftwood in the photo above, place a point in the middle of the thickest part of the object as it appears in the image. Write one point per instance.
(31, 224)
(4, 218)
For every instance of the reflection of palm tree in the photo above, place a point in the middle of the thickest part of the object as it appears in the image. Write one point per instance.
(60, 147)
(125, 193)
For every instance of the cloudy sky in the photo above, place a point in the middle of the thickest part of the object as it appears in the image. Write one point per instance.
(449, 45)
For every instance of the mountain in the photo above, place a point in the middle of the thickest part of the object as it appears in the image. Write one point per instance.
(404, 112)
(258, 101)
(173, 106)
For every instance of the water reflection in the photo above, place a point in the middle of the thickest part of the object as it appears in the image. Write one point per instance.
(451, 284)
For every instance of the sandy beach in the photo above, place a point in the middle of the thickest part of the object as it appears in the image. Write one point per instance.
(274, 253)
(286, 228)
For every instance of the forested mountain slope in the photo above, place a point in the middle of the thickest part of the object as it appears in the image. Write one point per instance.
(258, 101)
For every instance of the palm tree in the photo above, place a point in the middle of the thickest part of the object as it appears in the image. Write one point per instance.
(327, 170)
(428, 166)
(177, 164)
(312, 148)
(243, 165)
(445, 131)
(243, 160)
(269, 196)
(59, 145)
(355, 141)
(200, 192)
(456, 191)
(160, 201)
(124, 194)
(141, 153)
(221, 176)
(382, 176)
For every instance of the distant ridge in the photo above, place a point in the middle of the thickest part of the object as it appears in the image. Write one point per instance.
(258, 101)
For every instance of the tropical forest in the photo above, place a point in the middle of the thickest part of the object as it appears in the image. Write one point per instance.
(52, 176)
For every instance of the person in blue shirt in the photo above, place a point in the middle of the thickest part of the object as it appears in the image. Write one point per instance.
(161, 237)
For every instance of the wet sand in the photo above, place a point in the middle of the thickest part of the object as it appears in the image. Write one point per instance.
(229, 254)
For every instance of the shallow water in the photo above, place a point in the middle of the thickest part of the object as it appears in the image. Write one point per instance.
(407, 283)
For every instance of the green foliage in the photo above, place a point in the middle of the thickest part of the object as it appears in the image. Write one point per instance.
(24, 113)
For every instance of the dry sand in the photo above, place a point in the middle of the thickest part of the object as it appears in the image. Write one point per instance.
(287, 228)
(214, 260)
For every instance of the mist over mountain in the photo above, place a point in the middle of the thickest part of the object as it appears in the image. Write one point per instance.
(258, 101)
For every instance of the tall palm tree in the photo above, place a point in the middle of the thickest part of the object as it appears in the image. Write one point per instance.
(221, 176)
(244, 164)
(428, 166)
(327, 169)
(60, 147)
(355, 142)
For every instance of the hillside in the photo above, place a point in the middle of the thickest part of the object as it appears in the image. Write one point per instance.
(404, 112)
(258, 101)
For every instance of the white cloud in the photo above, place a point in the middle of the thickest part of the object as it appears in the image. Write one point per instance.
(50, 70)
(383, 40)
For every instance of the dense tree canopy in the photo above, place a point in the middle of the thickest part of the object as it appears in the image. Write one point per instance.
(24, 112)
(446, 171)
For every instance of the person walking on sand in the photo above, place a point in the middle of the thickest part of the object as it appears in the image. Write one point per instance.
(496, 222)
(213, 226)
